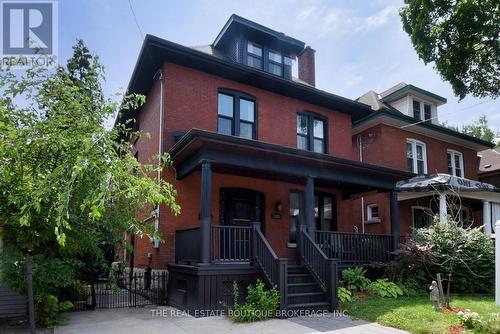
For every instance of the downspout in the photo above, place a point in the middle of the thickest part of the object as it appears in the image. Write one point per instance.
(159, 75)
(359, 139)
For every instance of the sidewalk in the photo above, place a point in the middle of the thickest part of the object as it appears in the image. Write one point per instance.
(141, 320)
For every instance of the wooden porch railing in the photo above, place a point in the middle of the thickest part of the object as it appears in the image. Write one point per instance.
(355, 248)
(231, 243)
(273, 268)
(324, 269)
(187, 245)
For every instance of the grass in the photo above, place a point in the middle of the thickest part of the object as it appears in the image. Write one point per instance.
(416, 314)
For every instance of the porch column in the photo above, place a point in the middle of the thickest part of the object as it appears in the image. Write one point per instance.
(309, 207)
(394, 219)
(487, 217)
(443, 215)
(206, 210)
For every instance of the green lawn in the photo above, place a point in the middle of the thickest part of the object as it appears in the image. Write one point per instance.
(416, 314)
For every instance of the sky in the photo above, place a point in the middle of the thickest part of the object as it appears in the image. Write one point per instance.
(360, 45)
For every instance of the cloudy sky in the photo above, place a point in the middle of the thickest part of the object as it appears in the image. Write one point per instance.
(359, 45)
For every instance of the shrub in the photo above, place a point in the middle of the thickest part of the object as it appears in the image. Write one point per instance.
(354, 279)
(383, 288)
(466, 253)
(49, 310)
(260, 303)
(345, 296)
(469, 319)
(489, 325)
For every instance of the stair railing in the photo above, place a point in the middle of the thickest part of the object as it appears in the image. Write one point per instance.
(323, 269)
(273, 268)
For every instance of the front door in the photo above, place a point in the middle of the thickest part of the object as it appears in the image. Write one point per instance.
(239, 207)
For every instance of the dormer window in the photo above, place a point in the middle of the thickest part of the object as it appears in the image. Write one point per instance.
(421, 109)
(275, 63)
(254, 55)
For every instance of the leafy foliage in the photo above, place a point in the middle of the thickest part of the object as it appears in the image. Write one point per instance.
(447, 248)
(68, 186)
(383, 288)
(479, 129)
(260, 303)
(345, 295)
(469, 319)
(461, 38)
(354, 279)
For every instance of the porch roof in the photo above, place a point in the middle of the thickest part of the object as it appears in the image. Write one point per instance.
(245, 157)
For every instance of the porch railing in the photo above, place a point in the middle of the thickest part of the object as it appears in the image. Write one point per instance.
(273, 268)
(355, 248)
(187, 245)
(231, 243)
(324, 269)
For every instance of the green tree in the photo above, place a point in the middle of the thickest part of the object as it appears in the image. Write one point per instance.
(68, 186)
(462, 38)
(479, 129)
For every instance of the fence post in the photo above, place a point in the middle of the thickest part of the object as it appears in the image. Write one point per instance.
(332, 284)
(31, 304)
(135, 290)
(253, 251)
(283, 281)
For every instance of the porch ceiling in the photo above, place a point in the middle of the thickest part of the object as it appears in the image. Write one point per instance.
(239, 156)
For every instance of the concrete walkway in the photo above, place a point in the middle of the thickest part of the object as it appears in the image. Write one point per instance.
(169, 320)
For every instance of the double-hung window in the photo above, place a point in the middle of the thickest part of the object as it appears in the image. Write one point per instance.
(311, 132)
(427, 112)
(421, 111)
(455, 163)
(416, 110)
(236, 115)
(275, 65)
(416, 156)
(254, 55)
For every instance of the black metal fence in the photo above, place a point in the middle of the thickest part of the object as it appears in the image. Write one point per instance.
(121, 290)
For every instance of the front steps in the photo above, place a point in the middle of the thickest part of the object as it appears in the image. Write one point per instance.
(304, 293)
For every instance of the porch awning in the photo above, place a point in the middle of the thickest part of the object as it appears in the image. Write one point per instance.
(443, 182)
(252, 158)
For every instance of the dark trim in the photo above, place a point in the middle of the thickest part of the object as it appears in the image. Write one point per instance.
(155, 51)
(299, 45)
(236, 119)
(286, 163)
(310, 129)
(430, 126)
(206, 210)
(406, 89)
(394, 208)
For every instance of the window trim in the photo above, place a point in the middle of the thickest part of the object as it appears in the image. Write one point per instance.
(235, 121)
(461, 161)
(419, 207)
(250, 54)
(310, 130)
(270, 61)
(414, 143)
(369, 217)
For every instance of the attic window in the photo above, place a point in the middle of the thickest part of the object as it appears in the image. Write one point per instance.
(275, 63)
(254, 58)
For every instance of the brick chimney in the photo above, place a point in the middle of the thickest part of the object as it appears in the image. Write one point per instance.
(306, 66)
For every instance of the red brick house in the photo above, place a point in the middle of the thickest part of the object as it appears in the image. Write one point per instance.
(268, 169)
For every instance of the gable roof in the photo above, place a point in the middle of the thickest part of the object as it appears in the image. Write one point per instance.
(155, 51)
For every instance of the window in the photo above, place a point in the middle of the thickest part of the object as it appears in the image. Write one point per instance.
(455, 163)
(416, 156)
(236, 115)
(372, 212)
(311, 133)
(416, 110)
(421, 217)
(254, 57)
(275, 63)
(288, 62)
(427, 112)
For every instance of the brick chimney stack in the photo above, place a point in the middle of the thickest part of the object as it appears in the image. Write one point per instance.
(306, 66)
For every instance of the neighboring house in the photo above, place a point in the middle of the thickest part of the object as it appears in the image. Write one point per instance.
(489, 166)
(267, 166)
(404, 133)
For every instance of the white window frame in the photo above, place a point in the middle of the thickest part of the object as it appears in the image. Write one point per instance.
(416, 207)
(414, 144)
(422, 104)
(369, 213)
(453, 153)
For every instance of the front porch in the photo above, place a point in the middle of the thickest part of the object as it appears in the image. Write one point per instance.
(256, 225)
